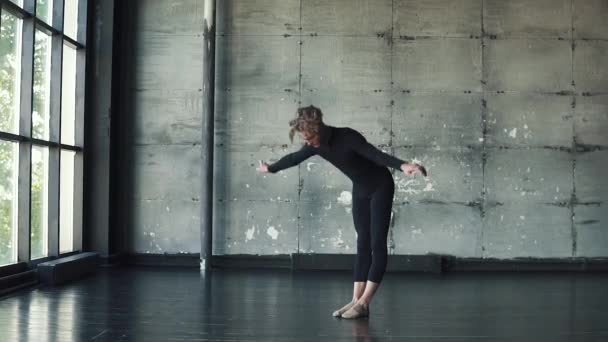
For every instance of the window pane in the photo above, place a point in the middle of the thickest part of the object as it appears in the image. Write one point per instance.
(44, 10)
(10, 72)
(42, 86)
(39, 204)
(8, 201)
(70, 15)
(68, 95)
(66, 204)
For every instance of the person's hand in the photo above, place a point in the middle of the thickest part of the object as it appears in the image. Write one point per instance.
(410, 169)
(262, 166)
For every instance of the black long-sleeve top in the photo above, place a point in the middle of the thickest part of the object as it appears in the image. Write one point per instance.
(346, 149)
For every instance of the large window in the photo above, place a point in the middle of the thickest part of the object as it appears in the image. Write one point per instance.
(42, 86)
(42, 64)
(8, 202)
(10, 64)
(44, 10)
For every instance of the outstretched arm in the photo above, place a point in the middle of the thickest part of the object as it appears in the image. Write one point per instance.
(369, 151)
(289, 160)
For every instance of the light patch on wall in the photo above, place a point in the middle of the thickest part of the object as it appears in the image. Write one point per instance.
(416, 233)
(407, 186)
(527, 132)
(346, 198)
(249, 233)
(338, 241)
(310, 165)
(272, 232)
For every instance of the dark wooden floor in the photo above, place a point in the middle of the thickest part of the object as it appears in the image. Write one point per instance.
(159, 304)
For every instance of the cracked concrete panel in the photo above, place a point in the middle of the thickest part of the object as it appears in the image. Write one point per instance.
(369, 114)
(165, 226)
(236, 177)
(166, 172)
(591, 120)
(346, 17)
(326, 226)
(529, 120)
(244, 63)
(158, 65)
(455, 175)
(167, 117)
(452, 18)
(525, 18)
(530, 175)
(437, 65)
(526, 229)
(255, 227)
(590, 176)
(437, 228)
(528, 65)
(250, 118)
(178, 17)
(591, 233)
(590, 19)
(444, 120)
(321, 180)
(351, 63)
(349, 79)
(258, 17)
(590, 67)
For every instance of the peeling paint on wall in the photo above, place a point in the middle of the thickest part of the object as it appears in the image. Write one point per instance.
(272, 232)
(345, 198)
(249, 233)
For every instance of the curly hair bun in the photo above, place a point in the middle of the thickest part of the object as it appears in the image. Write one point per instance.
(309, 120)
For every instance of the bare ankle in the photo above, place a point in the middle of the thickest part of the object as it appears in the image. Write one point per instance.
(363, 301)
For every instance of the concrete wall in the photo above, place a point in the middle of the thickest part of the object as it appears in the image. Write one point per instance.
(506, 102)
(96, 232)
(166, 127)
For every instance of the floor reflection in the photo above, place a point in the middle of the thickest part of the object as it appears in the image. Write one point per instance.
(156, 304)
(360, 329)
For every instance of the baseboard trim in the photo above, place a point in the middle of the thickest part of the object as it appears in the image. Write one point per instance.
(453, 264)
(396, 263)
(145, 259)
(433, 263)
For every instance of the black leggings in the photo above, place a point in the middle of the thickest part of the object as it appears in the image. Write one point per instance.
(372, 215)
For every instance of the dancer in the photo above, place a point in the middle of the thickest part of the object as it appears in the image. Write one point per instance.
(373, 190)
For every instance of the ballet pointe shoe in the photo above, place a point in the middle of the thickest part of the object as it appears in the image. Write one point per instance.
(358, 310)
(339, 312)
